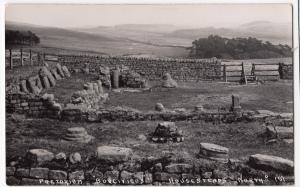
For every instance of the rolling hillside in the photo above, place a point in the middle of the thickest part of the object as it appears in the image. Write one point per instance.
(147, 40)
(65, 40)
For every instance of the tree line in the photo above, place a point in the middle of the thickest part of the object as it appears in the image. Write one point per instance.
(15, 37)
(237, 48)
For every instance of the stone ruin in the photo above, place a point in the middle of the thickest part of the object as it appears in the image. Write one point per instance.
(45, 79)
(104, 76)
(168, 82)
(167, 131)
(91, 96)
(78, 134)
(279, 129)
(118, 77)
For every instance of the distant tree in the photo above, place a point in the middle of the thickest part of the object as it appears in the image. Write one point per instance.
(15, 37)
(237, 48)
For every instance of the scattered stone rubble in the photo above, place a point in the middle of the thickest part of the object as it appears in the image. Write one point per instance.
(132, 79)
(92, 96)
(167, 131)
(78, 134)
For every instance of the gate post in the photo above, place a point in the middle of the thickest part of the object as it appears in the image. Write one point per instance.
(21, 56)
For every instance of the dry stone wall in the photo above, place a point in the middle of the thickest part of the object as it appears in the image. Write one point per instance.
(32, 105)
(152, 69)
(110, 165)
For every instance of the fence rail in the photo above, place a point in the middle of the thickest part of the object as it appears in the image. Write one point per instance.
(258, 71)
(21, 57)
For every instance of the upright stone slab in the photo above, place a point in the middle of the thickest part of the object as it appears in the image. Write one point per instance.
(115, 78)
(100, 88)
(45, 82)
(66, 71)
(267, 162)
(44, 72)
(32, 86)
(235, 105)
(23, 86)
(55, 74)
(112, 154)
(213, 152)
(60, 70)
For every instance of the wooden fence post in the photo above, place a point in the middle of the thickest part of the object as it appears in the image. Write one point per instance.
(224, 73)
(21, 56)
(30, 57)
(10, 59)
(244, 77)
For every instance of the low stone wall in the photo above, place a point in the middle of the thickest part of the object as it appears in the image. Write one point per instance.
(32, 105)
(121, 166)
(151, 69)
(130, 114)
(286, 71)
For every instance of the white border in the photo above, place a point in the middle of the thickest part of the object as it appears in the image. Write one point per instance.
(295, 4)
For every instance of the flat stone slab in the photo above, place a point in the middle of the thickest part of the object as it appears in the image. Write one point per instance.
(214, 148)
(280, 132)
(286, 115)
(266, 112)
(271, 162)
(213, 152)
(113, 154)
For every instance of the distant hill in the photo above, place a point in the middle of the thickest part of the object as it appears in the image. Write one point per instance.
(263, 30)
(148, 39)
(110, 44)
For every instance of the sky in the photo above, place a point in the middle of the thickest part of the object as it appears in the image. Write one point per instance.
(205, 15)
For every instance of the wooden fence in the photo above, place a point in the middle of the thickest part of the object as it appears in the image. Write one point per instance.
(26, 57)
(259, 71)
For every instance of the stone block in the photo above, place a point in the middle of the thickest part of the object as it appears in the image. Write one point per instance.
(58, 175)
(148, 178)
(10, 171)
(111, 174)
(125, 175)
(280, 132)
(28, 181)
(165, 177)
(113, 154)
(12, 181)
(39, 156)
(179, 168)
(22, 172)
(39, 173)
(77, 175)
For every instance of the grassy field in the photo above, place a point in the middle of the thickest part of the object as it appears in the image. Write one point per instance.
(243, 139)
(274, 96)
